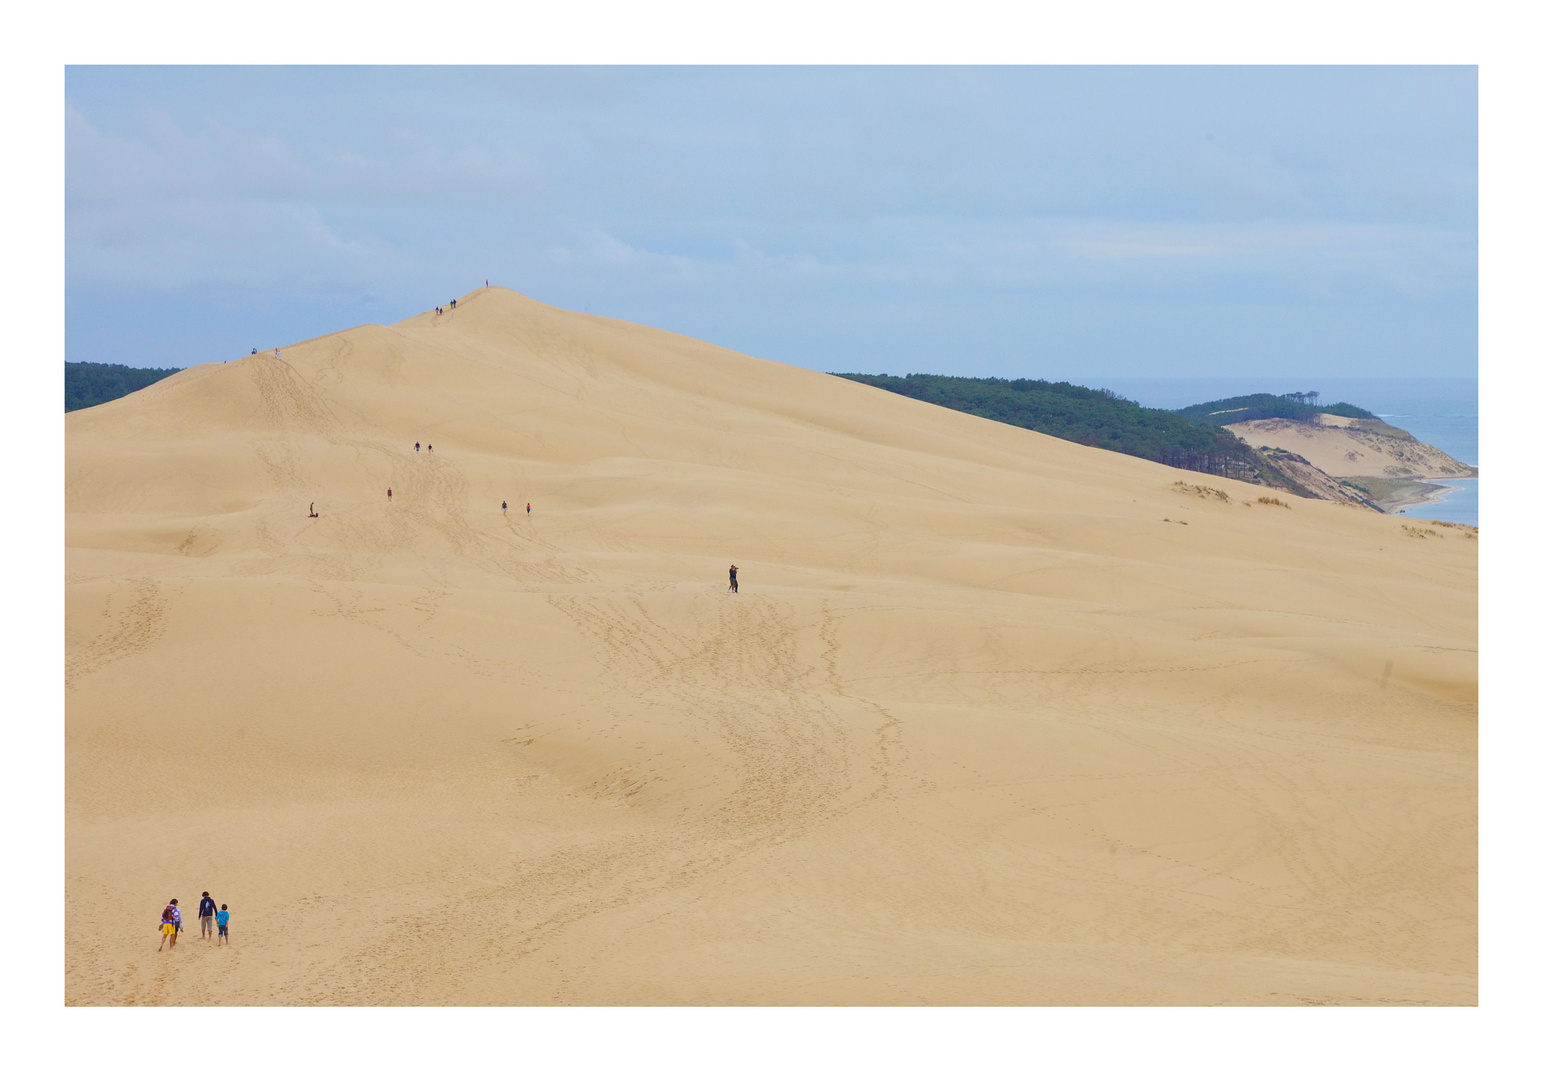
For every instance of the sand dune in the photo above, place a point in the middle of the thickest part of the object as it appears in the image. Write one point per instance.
(994, 719)
(1343, 446)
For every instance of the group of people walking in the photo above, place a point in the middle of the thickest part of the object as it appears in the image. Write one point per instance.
(209, 920)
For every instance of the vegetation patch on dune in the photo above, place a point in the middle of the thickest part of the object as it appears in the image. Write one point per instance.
(1201, 491)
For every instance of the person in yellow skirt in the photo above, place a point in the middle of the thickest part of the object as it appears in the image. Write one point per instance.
(171, 925)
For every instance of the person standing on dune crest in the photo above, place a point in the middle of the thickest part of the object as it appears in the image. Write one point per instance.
(733, 578)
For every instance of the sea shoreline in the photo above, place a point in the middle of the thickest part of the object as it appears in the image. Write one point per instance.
(1418, 492)
(1431, 493)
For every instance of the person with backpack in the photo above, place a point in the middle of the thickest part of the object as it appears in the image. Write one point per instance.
(206, 917)
(171, 923)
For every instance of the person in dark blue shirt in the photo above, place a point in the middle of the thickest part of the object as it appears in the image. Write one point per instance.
(206, 917)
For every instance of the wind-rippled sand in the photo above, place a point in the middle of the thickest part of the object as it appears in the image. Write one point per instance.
(995, 719)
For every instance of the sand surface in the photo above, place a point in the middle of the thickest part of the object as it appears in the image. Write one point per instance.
(995, 718)
(1340, 449)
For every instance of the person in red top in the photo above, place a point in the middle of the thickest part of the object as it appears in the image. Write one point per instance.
(388, 494)
(527, 509)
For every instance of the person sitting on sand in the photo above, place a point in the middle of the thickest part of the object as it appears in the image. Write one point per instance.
(733, 578)
(223, 919)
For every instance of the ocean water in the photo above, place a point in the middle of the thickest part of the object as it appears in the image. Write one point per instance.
(1442, 412)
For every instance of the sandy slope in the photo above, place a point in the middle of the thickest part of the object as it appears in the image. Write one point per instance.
(995, 718)
(1340, 448)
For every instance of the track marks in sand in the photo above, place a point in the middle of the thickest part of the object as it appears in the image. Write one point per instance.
(738, 684)
(286, 399)
(735, 683)
(136, 618)
(891, 754)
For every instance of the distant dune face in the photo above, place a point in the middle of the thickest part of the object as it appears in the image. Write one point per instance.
(1340, 448)
(993, 719)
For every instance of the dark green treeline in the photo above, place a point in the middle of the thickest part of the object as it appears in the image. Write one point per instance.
(86, 385)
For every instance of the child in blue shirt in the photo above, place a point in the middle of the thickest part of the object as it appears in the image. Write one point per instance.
(223, 920)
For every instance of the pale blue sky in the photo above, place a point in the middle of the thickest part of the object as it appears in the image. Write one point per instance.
(1050, 222)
